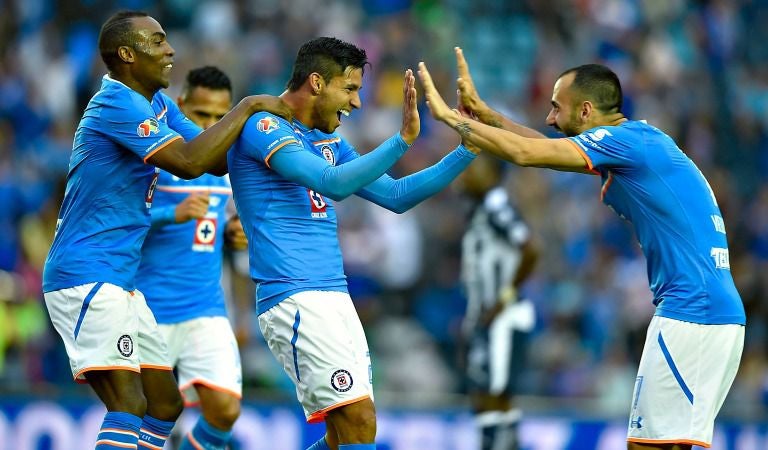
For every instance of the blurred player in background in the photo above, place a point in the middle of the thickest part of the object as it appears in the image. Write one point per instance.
(180, 275)
(694, 341)
(281, 175)
(128, 127)
(498, 255)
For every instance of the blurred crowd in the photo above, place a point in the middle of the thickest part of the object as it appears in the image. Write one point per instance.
(697, 69)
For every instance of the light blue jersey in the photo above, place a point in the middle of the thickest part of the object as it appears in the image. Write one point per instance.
(651, 183)
(105, 214)
(283, 177)
(180, 271)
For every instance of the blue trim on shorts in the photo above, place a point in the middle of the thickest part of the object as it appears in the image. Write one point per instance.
(675, 372)
(293, 344)
(86, 302)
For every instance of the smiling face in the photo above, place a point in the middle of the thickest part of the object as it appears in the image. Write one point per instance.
(153, 55)
(565, 113)
(336, 98)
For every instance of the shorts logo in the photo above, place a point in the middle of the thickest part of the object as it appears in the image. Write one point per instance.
(267, 125)
(125, 345)
(341, 380)
(148, 127)
(328, 155)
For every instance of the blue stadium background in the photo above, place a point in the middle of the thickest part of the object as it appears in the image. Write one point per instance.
(698, 69)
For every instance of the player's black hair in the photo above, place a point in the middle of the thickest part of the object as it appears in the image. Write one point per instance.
(599, 84)
(210, 77)
(116, 32)
(327, 56)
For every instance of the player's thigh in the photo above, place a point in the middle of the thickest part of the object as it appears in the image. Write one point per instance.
(318, 339)
(207, 355)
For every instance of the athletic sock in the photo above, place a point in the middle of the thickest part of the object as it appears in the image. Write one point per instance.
(154, 432)
(498, 429)
(370, 446)
(205, 436)
(119, 431)
(319, 445)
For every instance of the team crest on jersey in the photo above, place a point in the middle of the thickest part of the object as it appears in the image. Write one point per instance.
(327, 153)
(341, 380)
(125, 345)
(205, 235)
(318, 204)
(148, 127)
(267, 125)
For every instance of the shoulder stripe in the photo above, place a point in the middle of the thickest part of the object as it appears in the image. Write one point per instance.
(160, 147)
(587, 160)
(266, 160)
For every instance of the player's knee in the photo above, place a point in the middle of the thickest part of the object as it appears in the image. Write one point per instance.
(224, 415)
(168, 408)
(358, 418)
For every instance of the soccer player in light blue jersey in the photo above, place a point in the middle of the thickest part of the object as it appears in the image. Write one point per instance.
(284, 176)
(180, 275)
(695, 339)
(128, 128)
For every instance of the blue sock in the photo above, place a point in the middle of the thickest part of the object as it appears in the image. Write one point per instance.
(154, 432)
(205, 436)
(370, 446)
(118, 430)
(319, 445)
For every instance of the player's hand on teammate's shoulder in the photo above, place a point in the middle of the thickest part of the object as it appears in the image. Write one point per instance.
(270, 104)
(195, 206)
(411, 122)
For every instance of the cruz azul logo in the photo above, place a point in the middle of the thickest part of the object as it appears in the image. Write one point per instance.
(148, 127)
(205, 234)
(267, 125)
(319, 206)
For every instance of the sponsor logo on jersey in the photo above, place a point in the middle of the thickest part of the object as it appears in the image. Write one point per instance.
(125, 345)
(598, 135)
(148, 127)
(327, 153)
(267, 125)
(205, 235)
(341, 380)
(151, 190)
(319, 206)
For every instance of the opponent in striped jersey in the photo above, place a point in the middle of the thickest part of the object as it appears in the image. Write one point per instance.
(497, 256)
(284, 176)
(180, 275)
(109, 332)
(694, 342)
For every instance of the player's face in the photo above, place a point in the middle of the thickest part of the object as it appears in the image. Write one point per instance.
(205, 106)
(564, 114)
(338, 98)
(154, 55)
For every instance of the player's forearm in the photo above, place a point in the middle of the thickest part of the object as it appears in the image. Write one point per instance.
(502, 143)
(403, 194)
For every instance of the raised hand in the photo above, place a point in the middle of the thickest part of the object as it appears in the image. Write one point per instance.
(468, 96)
(411, 122)
(195, 206)
(437, 106)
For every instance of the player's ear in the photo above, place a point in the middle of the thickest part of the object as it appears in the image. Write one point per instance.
(586, 110)
(316, 82)
(125, 53)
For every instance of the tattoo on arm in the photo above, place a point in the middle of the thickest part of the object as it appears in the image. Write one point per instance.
(463, 129)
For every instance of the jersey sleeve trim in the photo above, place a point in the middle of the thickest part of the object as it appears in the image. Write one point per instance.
(160, 147)
(587, 160)
(291, 141)
(191, 189)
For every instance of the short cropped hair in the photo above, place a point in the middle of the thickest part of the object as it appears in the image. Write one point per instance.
(210, 77)
(116, 32)
(599, 84)
(327, 56)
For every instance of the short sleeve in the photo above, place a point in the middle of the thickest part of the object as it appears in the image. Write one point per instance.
(265, 134)
(609, 147)
(134, 126)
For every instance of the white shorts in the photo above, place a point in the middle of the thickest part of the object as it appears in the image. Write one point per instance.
(684, 376)
(105, 327)
(318, 339)
(204, 351)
